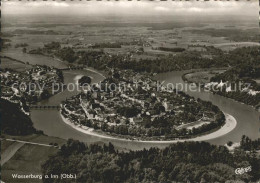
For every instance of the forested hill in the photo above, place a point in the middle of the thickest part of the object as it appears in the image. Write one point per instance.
(245, 62)
(182, 162)
(241, 71)
(245, 71)
(13, 120)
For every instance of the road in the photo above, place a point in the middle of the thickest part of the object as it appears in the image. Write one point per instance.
(27, 142)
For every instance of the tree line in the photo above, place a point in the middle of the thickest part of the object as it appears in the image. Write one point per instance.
(180, 162)
(14, 121)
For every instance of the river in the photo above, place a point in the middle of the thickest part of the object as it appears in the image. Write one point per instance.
(50, 122)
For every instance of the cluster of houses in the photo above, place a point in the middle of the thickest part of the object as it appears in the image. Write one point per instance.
(28, 85)
(135, 94)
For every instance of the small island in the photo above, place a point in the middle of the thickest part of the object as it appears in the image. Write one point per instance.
(84, 80)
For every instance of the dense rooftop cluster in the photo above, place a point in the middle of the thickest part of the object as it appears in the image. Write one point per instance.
(29, 86)
(130, 104)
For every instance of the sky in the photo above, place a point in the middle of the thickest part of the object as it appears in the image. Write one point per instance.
(138, 8)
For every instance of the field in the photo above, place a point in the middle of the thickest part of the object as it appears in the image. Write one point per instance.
(11, 64)
(28, 159)
(5, 144)
(132, 36)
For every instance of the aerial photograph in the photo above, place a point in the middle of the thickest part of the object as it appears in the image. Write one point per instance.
(130, 91)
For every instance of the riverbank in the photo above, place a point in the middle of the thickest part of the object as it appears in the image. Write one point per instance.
(207, 73)
(48, 121)
(230, 124)
(188, 78)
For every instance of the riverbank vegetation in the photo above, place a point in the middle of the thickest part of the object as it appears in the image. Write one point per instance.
(170, 49)
(14, 121)
(204, 162)
(245, 74)
(106, 45)
(245, 90)
(250, 145)
(100, 60)
(240, 82)
(21, 45)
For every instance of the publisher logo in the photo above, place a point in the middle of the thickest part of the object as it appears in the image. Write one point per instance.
(240, 171)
